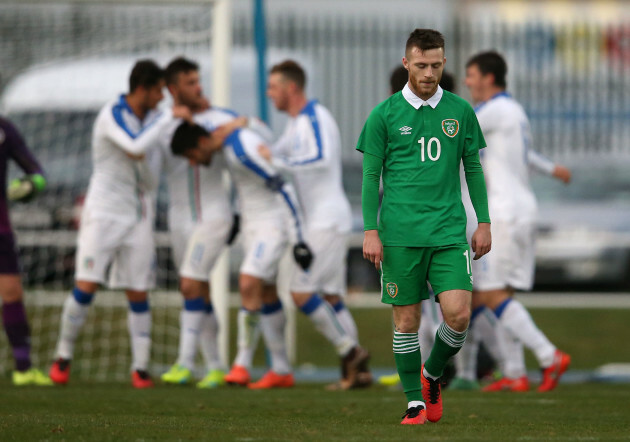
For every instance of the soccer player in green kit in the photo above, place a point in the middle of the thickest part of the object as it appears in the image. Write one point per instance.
(417, 139)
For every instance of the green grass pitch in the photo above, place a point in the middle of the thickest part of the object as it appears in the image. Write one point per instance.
(114, 411)
(307, 412)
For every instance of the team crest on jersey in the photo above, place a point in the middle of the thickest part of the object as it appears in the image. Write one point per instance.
(392, 289)
(405, 130)
(450, 127)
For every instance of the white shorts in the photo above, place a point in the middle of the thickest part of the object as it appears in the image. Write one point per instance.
(264, 243)
(196, 249)
(510, 263)
(128, 247)
(327, 273)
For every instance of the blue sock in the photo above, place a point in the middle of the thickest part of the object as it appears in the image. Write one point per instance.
(311, 305)
(139, 306)
(195, 305)
(82, 297)
(268, 309)
(499, 310)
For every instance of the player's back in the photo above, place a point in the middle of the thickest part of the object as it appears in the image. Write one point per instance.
(507, 132)
(310, 149)
(251, 175)
(196, 192)
(120, 187)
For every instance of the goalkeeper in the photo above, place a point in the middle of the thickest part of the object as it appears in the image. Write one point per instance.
(14, 319)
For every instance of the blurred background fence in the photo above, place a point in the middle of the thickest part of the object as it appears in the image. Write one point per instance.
(569, 67)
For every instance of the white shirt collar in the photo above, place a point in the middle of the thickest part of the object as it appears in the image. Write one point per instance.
(417, 102)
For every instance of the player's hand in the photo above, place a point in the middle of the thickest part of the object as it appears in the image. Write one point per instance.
(481, 240)
(264, 152)
(562, 173)
(26, 188)
(302, 255)
(373, 248)
(236, 227)
(183, 112)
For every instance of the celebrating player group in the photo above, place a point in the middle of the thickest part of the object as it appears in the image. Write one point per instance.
(447, 169)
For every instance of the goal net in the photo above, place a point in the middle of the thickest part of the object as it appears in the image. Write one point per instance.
(60, 63)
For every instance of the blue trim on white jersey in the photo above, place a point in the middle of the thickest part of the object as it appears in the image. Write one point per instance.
(309, 111)
(500, 94)
(117, 111)
(226, 110)
(237, 147)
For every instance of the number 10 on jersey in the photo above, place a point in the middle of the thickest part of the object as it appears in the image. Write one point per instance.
(433, 149)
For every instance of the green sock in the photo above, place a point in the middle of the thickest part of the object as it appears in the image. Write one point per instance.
(447, 344)
(409, 364)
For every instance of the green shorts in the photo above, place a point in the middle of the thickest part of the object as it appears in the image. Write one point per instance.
(405, 272)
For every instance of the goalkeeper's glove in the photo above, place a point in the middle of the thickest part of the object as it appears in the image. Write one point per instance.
(26, 188)
(302, 255)
(236, 227)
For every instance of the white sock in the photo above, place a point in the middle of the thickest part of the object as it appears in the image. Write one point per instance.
(272, 323)
(139, 324)
(208, 341)
(513, 364)
(325, 321)
(190, 328)
(431, 318)
(487, 328)
(72, 319)
(346, 320)
(248, 334)
(518, 322)
(415, 404)
(466, 358)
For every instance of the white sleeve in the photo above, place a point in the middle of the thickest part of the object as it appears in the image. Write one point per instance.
(487, 121)
(313, 151)
(139, 144)
(539, 162)
(260, 128)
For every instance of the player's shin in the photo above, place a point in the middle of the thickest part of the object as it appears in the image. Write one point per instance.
(191, 319)
(139, 323)
(272, 324)
(346, 320)
(248, 335)
(323, 317)
(18, 332)
(447, 343)
(75, 310)
(520, 325)
(409, 364)
(208, 339)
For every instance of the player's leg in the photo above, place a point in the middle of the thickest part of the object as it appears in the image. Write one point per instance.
(133, 269)
(191, 320)
(403, 283)
(272, 325)
(450, 276)
(466, 358)
(209, 344)
(15, 321)
(248, 328)
(97, 242)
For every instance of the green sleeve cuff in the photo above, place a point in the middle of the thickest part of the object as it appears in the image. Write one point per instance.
(39, 182)
(476, 186)
(372, 166)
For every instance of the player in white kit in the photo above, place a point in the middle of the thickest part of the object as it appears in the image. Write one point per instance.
(309, 152)
(512, 204)
(116, 224)
(200, 223)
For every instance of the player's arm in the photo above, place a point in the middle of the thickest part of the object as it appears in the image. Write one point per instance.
(372, 143)
(27, 187)
(542, 164)
(481, 239)
(248, 154)
(313, 154)
(136, 145)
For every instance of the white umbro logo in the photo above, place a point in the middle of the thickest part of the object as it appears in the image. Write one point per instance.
(405, 130)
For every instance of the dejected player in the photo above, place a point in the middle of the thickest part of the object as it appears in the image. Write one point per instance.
(416, 141)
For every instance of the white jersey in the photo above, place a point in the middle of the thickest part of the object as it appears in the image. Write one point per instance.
(508, 137)
(310, 151)
(263, 196)
(120, 187)
(196, 193)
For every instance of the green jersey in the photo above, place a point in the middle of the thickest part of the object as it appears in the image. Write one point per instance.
(422, 145)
